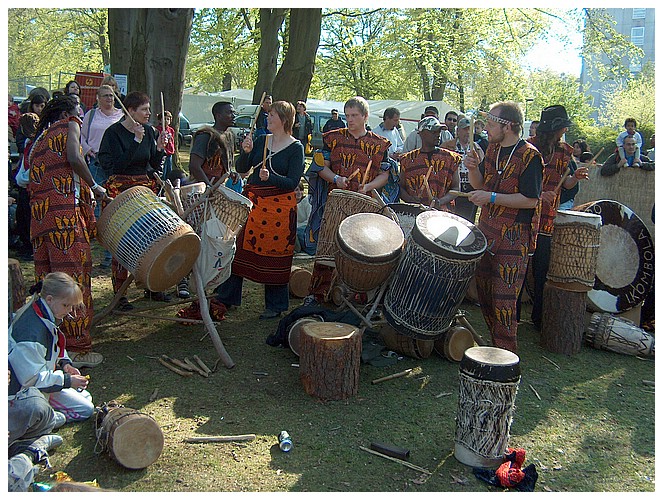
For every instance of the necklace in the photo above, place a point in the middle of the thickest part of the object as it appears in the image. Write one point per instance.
(497, 160)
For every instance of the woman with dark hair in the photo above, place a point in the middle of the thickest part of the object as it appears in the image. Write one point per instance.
(130, 153)
(26, 105)
(266, 244)
(62, 215)
(73, 87)
(580, 146)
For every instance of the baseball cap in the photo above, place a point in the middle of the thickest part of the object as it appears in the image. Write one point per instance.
(463, 123)
(429, 123)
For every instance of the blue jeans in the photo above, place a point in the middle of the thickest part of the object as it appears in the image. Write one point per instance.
(229, 293)
(167, 167)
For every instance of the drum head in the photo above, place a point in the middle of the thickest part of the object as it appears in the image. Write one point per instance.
(625, 262)
(294, 341)
(491, 363)
(371, 237)
(448, 234)
(171, 260)
(136, 441)
(573, 217)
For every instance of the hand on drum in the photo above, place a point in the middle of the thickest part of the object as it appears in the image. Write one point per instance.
(247, 144)
(341, 183)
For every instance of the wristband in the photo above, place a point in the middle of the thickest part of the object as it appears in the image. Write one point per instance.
(493, 197)
(94, 186)
(335, 178)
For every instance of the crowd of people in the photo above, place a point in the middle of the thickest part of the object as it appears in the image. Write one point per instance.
(74, 161)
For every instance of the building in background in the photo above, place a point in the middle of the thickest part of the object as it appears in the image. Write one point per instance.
(638, 26)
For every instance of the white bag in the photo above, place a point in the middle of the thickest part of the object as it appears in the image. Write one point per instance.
(217, 250)
(22, 175)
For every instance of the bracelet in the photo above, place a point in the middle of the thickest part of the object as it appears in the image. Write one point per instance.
(493, 197)
(335, 178)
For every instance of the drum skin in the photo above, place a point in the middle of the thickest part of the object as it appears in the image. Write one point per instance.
(625, 263)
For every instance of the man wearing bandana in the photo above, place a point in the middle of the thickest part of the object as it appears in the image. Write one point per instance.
(507, 187)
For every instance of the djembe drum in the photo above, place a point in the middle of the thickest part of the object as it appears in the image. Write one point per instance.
(295, 331)
(148, 238)
(408, 346)
(369, 246)
(407, 215)
(620, 335)
(133, 439)
(454, 343)
(439, 260)
(489, 379)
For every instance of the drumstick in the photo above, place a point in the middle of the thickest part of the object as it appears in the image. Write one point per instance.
(264, 152)
(124, 109)
(354, 174)
(471, 134)
(391, 377)
(424, 184)
(376, 196)
(255, 117)
(163, 114)
(368, 167)
(460, 193)
(561, 181)
(594, 158)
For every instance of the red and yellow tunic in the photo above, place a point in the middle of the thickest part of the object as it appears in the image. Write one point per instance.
(553, 170)
(499, 223)
(414, 168)
(349, 154)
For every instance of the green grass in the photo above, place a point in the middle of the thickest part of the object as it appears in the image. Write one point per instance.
(591, 430)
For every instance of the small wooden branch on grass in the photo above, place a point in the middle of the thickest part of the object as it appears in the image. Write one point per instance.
(391, 377)
(397, 460)
(535, 393)
(201, 364)
(174, 369)
(196, 368)
(551, 362)
(220, 439)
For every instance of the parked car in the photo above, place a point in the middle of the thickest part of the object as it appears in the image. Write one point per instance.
(319, 119)
(184, 134)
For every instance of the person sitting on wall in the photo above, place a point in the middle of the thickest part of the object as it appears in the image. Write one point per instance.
(614, 162)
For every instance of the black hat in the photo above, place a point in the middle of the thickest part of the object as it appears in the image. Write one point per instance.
(553, 118)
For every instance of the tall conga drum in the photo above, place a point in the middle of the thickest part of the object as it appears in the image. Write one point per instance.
(619, 335)
(436, 267)
(489, 379)
(340, 204)
(369, 246)
(148, 238)
(132, 438)
(625, 261)
(574, 249)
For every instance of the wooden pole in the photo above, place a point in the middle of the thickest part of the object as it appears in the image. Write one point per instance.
(220, 439)
(471, 134)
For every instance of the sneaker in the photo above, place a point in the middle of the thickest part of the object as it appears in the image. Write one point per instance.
(124, 305)
(183, 289)
(60, 420)
(158, 296)
(87, 360)
(38, 447)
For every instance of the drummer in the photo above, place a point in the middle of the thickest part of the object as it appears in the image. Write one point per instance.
(442, 163)
(357, 162)
(508, 186)
(557, 158)
(130, 153)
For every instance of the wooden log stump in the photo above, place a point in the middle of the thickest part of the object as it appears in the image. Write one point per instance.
(563, 321)
(17, 293)
(300, 280)
(329, 360)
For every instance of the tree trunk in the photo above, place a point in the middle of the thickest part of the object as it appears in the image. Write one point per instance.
(17, 293)
(293, 79)
(563, 321)
(268, 53)
(329, 360)
(150, 46)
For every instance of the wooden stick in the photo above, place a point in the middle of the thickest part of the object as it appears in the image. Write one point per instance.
(535, 393)
(551, 362)
(123, 108)
(255, 117)
(204, 196)
(154, 394)
(376, 196)
(354, 174)
(561, 181)
(397, 460)
(391, 377)
(649, 382)
(196, 368)
(364, 320)
(596, 156)
(264, 152)
(163, 114)
(116, 299)
(220, 439)
(202, 365)
(164, 318)
(368, 168)
(464, 322)
(471, 134)
(173, 369)
(424, 184)
(176, 362)
(460, 193)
